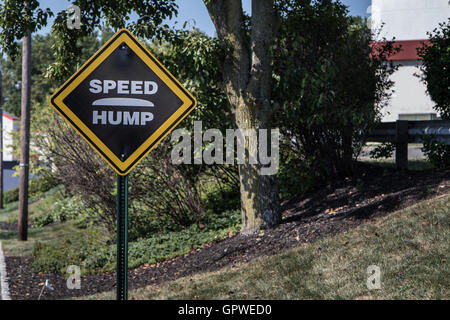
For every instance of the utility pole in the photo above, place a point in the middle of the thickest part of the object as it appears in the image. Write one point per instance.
(22, 232)
(1, 137)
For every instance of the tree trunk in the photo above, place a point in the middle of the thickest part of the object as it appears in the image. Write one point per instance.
(248, 74)
(24, 138)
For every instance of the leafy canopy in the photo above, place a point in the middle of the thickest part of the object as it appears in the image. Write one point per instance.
(331, 86)
(436, 67)
(42, 58)
(17, 18)
(113, 13)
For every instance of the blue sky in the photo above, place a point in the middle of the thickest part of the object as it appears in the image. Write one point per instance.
(195, 10)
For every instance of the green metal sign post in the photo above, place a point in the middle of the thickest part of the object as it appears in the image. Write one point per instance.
(122, 237)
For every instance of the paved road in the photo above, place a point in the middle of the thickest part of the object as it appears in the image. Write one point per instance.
(414, 152)
(9, 182)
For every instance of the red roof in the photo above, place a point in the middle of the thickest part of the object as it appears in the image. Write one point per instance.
(9, 116)
(408, 49)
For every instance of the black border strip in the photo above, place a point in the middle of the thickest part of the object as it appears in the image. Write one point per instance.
(159, 138)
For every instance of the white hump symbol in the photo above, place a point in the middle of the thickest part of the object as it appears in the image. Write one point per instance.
(123, 102)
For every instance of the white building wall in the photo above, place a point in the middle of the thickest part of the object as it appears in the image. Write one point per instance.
(410, 93)
(8, 127)
(409, 19)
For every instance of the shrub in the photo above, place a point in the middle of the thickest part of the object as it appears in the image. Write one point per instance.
(331, 85)
(49, 258)
(435, 67)
(79, 248)
(437, 153)
(69, 208)
(36, 187)
(221, 199)
(11, 195)
(384, 150)
(297, 174)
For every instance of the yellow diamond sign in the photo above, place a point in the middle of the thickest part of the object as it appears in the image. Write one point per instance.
(123, 102)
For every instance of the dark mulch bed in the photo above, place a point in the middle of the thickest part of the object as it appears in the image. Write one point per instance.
(11, 226)
(306, 218)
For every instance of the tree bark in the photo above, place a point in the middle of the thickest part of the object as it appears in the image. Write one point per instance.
(24, 138)
(248, 73)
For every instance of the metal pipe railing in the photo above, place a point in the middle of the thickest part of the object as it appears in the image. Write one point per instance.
(403, 132)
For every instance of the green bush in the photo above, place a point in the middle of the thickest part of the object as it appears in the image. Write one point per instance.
(77, 249)
(437, 153)
(61, 210)
(330, 93)
(49, 258)
(383, 151)
(146, 220)
(297, 174)
(36, 187)
(224, 199)
(435, 66)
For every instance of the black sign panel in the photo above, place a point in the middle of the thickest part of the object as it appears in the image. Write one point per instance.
(123, 101)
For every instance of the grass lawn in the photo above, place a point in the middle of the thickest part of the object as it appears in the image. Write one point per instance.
(411, 247)
(47, 234)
